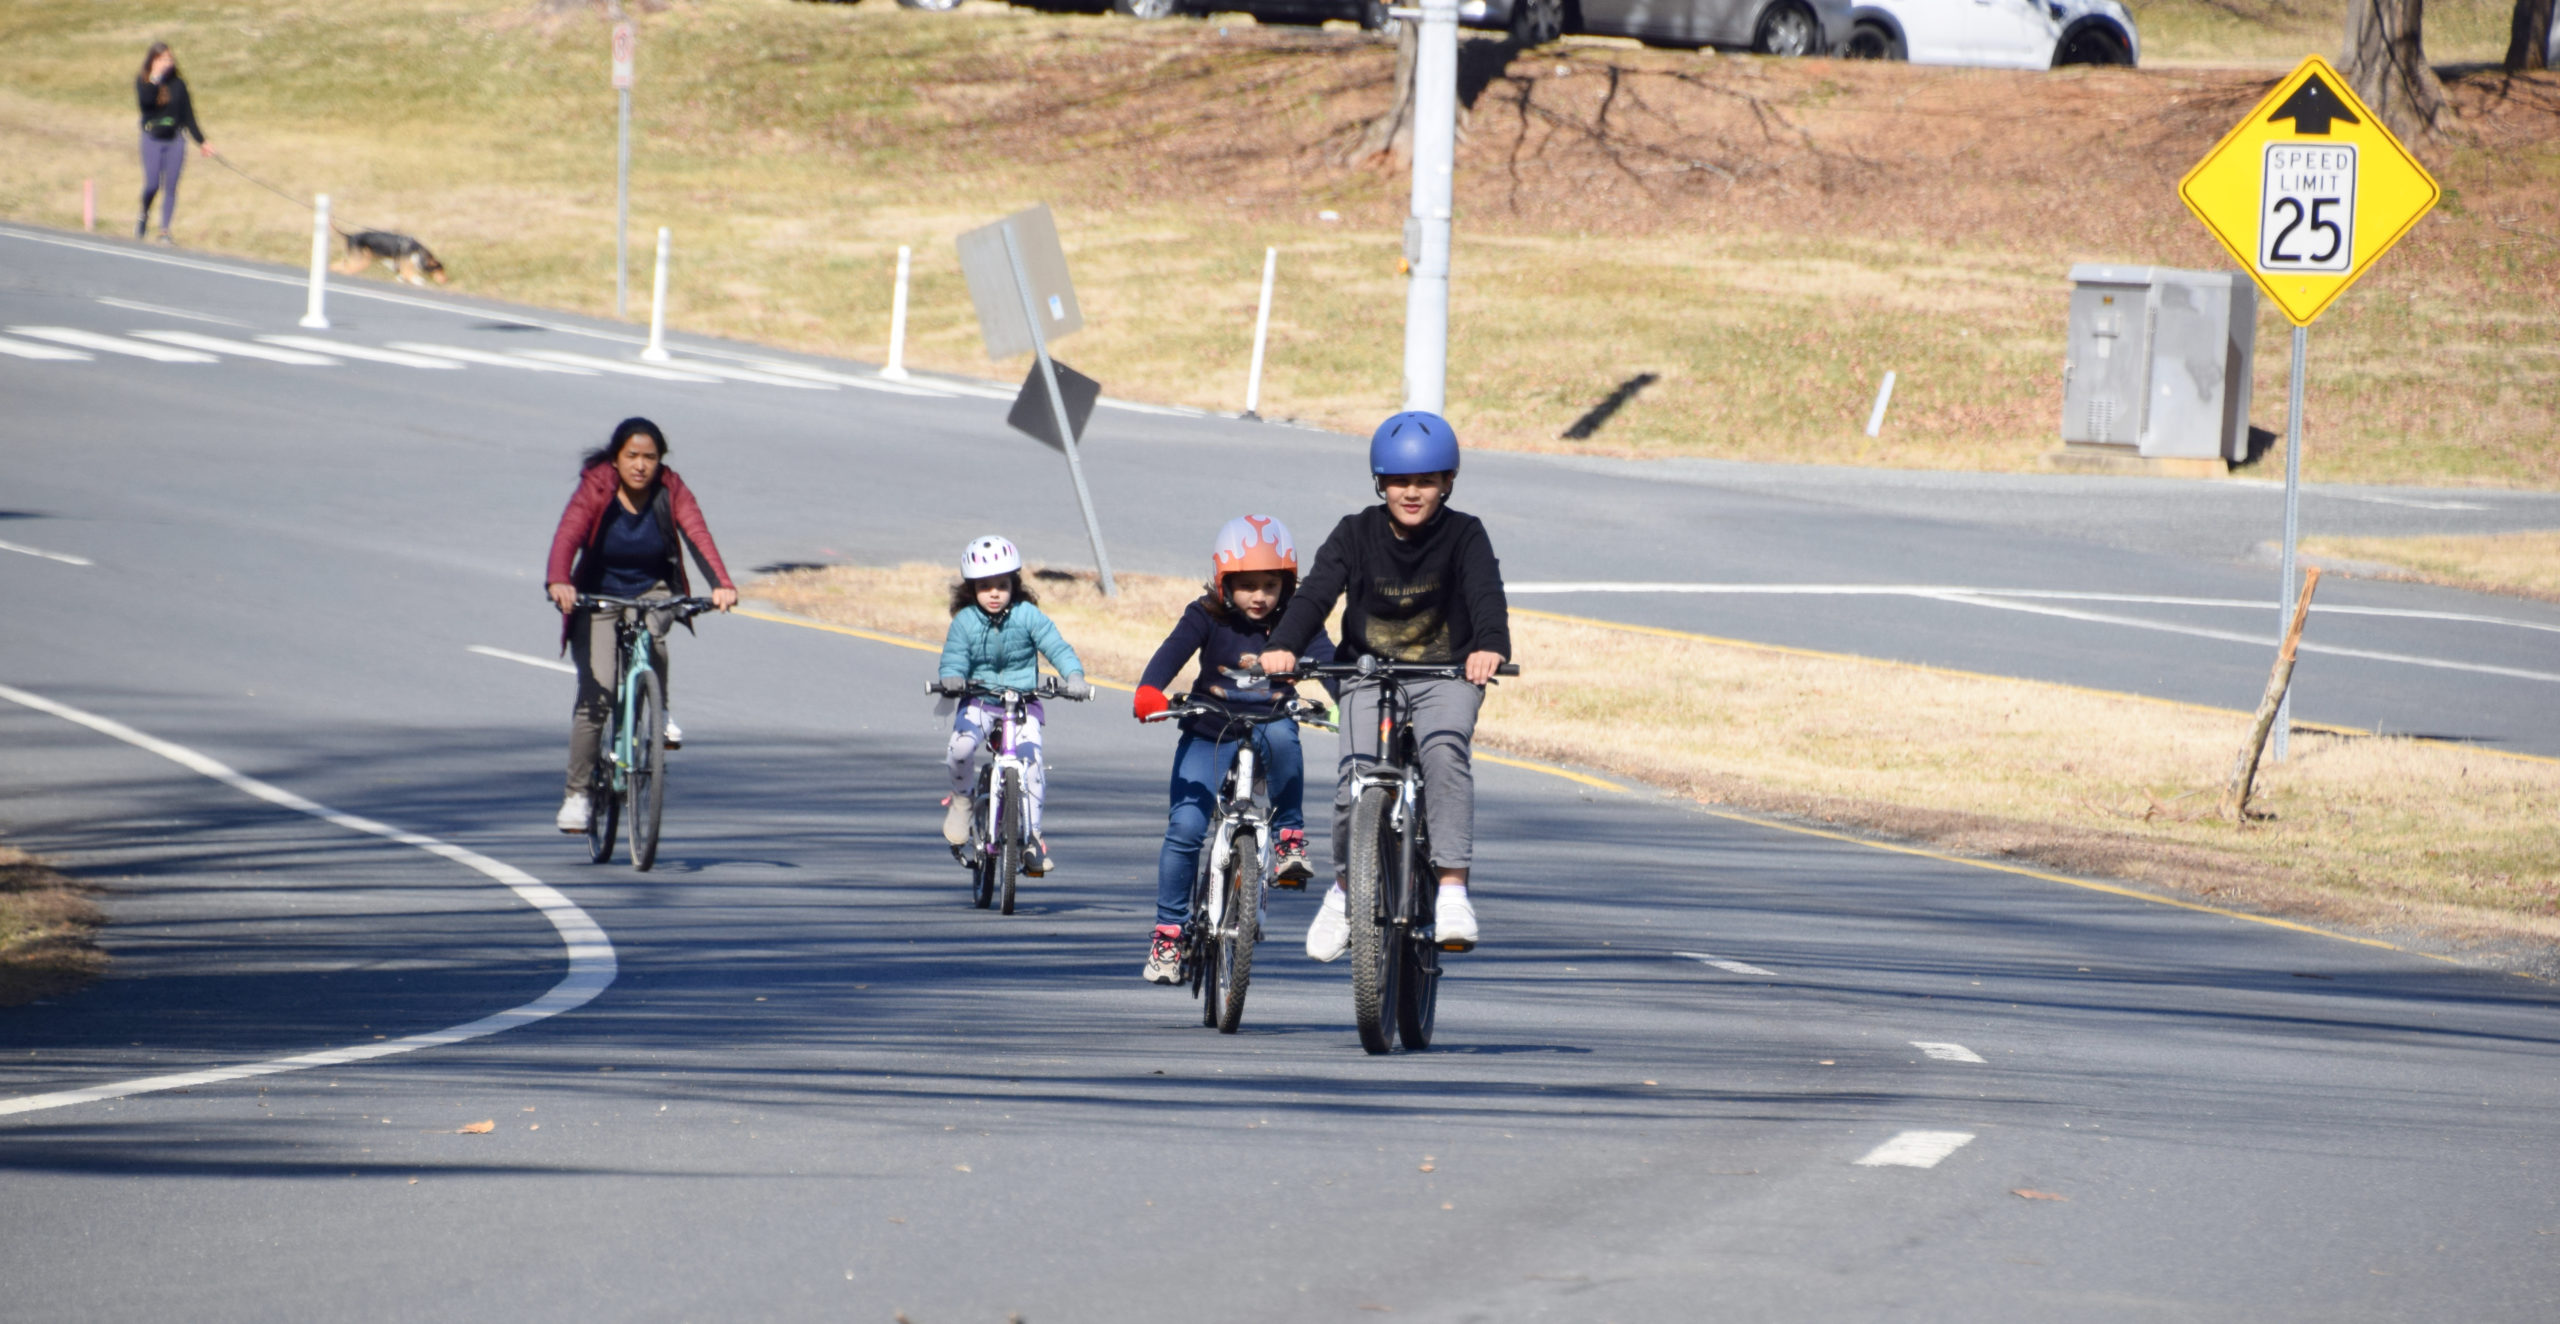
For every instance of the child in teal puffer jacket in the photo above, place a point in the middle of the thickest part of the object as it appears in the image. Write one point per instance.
(997, 637)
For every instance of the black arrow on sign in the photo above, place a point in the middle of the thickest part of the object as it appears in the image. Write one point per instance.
(2311, 107)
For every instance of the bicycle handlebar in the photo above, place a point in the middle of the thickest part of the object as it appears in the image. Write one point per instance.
(1202, 705)
(680, 608)
(1369, 667)
(1046, 689)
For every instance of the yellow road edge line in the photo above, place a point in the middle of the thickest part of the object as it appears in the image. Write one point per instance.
(879, 637)
(1553, 771)
(1791, 651)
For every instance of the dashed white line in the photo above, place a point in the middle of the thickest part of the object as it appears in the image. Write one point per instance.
(596, 364)
(140, 307)
(140, 349)
(483, 356)
(30, 350)
(592, 964)
(1946, 1052)
(1729, 967)
(840, 378)
(1916, 1149)
(64, 557)
(793, 381)
(1966, 595)
(365, 352)
(238, 348)
(547, 664)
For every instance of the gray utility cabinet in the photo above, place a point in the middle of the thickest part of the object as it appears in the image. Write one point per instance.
(2159, 361)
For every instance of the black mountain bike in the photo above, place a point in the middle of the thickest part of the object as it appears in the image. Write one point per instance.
(1000, 805)
(1395, 958)
(1235, 858)
(630, 777)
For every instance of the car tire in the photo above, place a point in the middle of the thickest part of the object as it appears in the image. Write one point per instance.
(1147, 10)
(2092, 43)
(1787, 28)
(1536, 22)
(1874, 41)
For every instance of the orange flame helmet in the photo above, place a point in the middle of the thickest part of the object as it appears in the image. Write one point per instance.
(1253, 542)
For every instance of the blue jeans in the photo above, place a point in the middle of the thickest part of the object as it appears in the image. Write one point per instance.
(1198, 765)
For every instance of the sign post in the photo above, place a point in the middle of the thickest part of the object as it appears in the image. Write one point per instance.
(2306, 193)
(623, 43)
(1426, 230)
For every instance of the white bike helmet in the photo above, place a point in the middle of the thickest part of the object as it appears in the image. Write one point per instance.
(989, 557)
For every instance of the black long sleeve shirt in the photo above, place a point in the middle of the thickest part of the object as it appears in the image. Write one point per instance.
(166, 108)
(1221, 643)
(1434, 596)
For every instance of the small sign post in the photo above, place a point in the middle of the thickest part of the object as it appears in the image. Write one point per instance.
(2306, 192)
(625, 44)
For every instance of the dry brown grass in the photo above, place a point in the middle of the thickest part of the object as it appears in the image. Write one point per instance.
(2523, 564)
(2385, 834)
(47, 931)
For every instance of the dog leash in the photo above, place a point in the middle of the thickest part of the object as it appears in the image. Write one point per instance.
(298, 203)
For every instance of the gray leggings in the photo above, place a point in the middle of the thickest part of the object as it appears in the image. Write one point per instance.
(1444, 725)
(163, 159)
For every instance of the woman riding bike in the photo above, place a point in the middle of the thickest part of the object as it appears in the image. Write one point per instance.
(619, 537)
(1422, 586)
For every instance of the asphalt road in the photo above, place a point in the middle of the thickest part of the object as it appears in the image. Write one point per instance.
(819, 1086)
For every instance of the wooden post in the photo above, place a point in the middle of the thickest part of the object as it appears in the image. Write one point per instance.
(2244, 771)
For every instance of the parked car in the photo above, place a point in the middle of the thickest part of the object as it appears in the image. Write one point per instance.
(1999, 34)
(1771, 27)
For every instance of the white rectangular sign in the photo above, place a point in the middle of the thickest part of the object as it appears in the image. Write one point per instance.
(2307, 208)
(623, 42)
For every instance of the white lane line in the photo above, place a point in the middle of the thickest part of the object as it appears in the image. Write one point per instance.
(1960, 592)
(592, 964)
(1916, 1149)
(2406, 501)
(595, 363)
(548, 664)
(64, 557)
(140, 307)
(483, 356)
(30, 350)
(1946, 1052)
(1729, 967)
(139, 349)
(239, 348)
(2253, 640)
(797, 383)
(839, 378)
(365, 352)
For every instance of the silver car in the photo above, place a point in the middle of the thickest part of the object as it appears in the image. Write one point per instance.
(1771, 27)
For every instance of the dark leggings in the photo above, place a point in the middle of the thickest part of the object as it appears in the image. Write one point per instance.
(162, 160)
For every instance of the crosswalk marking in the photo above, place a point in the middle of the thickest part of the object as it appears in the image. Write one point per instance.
(28, 349)
(594, 363)
(365, 352)
(1916, 1149)
(747, 375)
(239, 348)
(485, 357)
(140, 349)
(844, 379)
(1946, 1052)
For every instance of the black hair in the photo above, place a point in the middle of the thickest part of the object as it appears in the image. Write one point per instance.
(624, 431)
(964, 592)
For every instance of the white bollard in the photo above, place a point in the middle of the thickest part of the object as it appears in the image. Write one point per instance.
(89, 206)
(1884, 396)
(315, 314)
(896, 369)
(1261, 335)
(657, 350)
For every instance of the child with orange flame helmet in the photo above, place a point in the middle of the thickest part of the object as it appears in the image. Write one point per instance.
(1253, 570)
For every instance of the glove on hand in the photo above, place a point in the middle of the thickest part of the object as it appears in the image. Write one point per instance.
(953, 686)
(1076, 687)
(1150, 701)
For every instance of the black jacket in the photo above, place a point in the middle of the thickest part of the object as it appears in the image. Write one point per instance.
(1220, 643)
(1434, 597)
(166, 108)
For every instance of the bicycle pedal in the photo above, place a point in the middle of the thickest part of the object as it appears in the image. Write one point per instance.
(1290, 884)
(1455, 946)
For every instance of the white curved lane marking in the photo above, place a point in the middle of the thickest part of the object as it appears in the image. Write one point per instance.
(591, 959)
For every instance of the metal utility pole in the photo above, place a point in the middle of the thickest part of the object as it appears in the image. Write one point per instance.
(2292, 521)
(623, 41)
(1058, 404)
(1426, 231)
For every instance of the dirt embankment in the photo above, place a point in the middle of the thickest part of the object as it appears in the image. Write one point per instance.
(47, 931)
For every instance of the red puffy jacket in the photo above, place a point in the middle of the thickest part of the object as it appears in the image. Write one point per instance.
(583, 523)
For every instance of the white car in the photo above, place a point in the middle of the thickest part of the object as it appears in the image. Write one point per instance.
(1999, 34)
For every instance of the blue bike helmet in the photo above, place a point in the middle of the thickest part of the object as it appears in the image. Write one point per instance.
(1414, 442)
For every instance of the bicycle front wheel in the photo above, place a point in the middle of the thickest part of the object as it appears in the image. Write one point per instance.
(982, 862)
(604, 809)
(1376, 958)
(1008, 857)
(1239, 927)
(646, 787)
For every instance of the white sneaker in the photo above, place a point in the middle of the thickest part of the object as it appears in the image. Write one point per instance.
(955, 822)
(1454, 920)
(1330, 936)
(575, 813)
(675, 733)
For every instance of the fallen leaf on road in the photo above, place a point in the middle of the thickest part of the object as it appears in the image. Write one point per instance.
(2024, 1194)
(478, 1128)
(1652, 1082)
(535, 1127)
(959, 1167)
(1428, 1167)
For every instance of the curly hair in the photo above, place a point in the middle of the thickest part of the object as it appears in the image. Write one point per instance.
(964, 592)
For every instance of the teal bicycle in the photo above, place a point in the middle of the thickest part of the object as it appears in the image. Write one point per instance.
(630, 779)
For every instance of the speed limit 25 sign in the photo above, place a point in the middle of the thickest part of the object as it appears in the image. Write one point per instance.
(2308, 190)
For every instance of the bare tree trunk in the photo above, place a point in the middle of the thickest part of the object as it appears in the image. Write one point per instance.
(2386, 63)
(2529, 37)
(1393, 131)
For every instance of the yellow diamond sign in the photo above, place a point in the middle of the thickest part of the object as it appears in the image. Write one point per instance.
(2308, 190)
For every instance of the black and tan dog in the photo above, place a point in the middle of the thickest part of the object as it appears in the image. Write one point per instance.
(408, 259)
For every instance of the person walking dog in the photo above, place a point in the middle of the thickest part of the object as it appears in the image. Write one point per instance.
(167, 111)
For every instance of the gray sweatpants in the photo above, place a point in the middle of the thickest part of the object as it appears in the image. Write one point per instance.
(591, 650)
(1444, 727)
